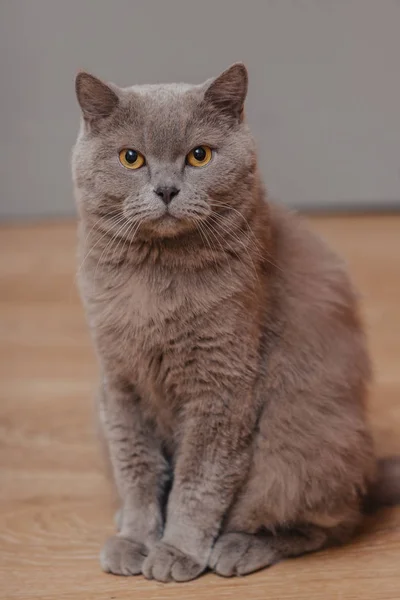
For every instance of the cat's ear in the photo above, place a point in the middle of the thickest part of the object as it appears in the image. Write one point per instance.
(227, 92)
(96, 99)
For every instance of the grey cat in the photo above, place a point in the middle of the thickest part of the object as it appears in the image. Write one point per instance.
(233, 362)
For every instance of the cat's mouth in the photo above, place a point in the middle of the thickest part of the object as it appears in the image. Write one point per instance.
(167, 221)
(169, 225)
(168, 215)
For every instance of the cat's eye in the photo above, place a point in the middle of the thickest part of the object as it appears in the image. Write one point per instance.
(131, 159)
(199, 156)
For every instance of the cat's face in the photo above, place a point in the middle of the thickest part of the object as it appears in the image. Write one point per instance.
(161, 158)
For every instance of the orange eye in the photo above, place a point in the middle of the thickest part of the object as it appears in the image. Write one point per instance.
(199, 156)
(131, 159)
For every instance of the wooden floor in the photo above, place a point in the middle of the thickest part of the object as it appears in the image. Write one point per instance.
(55, 503)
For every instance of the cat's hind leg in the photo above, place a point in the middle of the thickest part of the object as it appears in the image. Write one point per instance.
(243, 553)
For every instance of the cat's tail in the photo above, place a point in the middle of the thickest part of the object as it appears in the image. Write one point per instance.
(385, 491)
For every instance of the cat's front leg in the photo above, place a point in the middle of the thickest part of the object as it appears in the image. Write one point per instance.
(140, 472)
(211, 464)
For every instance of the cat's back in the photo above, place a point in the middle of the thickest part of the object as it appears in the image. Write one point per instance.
(297, 245)
(312, 275)
(316, 305)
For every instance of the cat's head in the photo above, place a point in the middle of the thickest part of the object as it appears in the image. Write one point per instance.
(162, 158)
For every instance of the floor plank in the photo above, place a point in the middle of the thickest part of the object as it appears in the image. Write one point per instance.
(55, 503)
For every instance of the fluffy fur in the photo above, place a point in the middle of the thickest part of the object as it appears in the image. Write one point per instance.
(234, 365)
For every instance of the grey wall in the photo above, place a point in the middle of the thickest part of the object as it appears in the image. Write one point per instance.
(324, 101)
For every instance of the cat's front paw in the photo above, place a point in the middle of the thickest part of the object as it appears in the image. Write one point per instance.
(166, 563)
(122, 556)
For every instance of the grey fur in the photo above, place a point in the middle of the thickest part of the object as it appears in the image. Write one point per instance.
(233, 360)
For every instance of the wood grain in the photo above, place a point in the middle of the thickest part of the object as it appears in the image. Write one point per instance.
(55, 504)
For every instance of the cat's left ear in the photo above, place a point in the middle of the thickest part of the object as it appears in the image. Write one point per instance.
(96, 99)
(227, 92)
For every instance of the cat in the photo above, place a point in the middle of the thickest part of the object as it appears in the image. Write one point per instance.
(234, 367)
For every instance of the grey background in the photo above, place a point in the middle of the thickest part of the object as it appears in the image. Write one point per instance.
(324, 100)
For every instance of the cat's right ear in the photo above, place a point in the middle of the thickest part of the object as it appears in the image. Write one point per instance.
(96, 99)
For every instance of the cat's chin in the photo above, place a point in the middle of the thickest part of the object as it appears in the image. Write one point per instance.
(168, 226)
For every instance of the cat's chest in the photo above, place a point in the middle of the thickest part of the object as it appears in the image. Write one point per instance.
(145, 328)
(135, 325)
(132, 314)
(135, 330)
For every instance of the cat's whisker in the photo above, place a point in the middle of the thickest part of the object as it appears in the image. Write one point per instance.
(235, 237)
(134, 226)
(91, 249)
(211, 230)
(115, 221)
(221, 223)
(200, 225)
(123, 239)
(220, 204)
(237, 254)
(246, 250)
(217, 203)
(132, 234)
(204, 239)
(252, 240)
(116, 236)
(125, 235)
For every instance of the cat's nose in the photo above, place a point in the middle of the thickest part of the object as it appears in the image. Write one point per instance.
(167, 193)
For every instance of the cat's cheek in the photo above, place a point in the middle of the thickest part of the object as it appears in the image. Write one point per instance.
(112, 183)
(225, 177)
